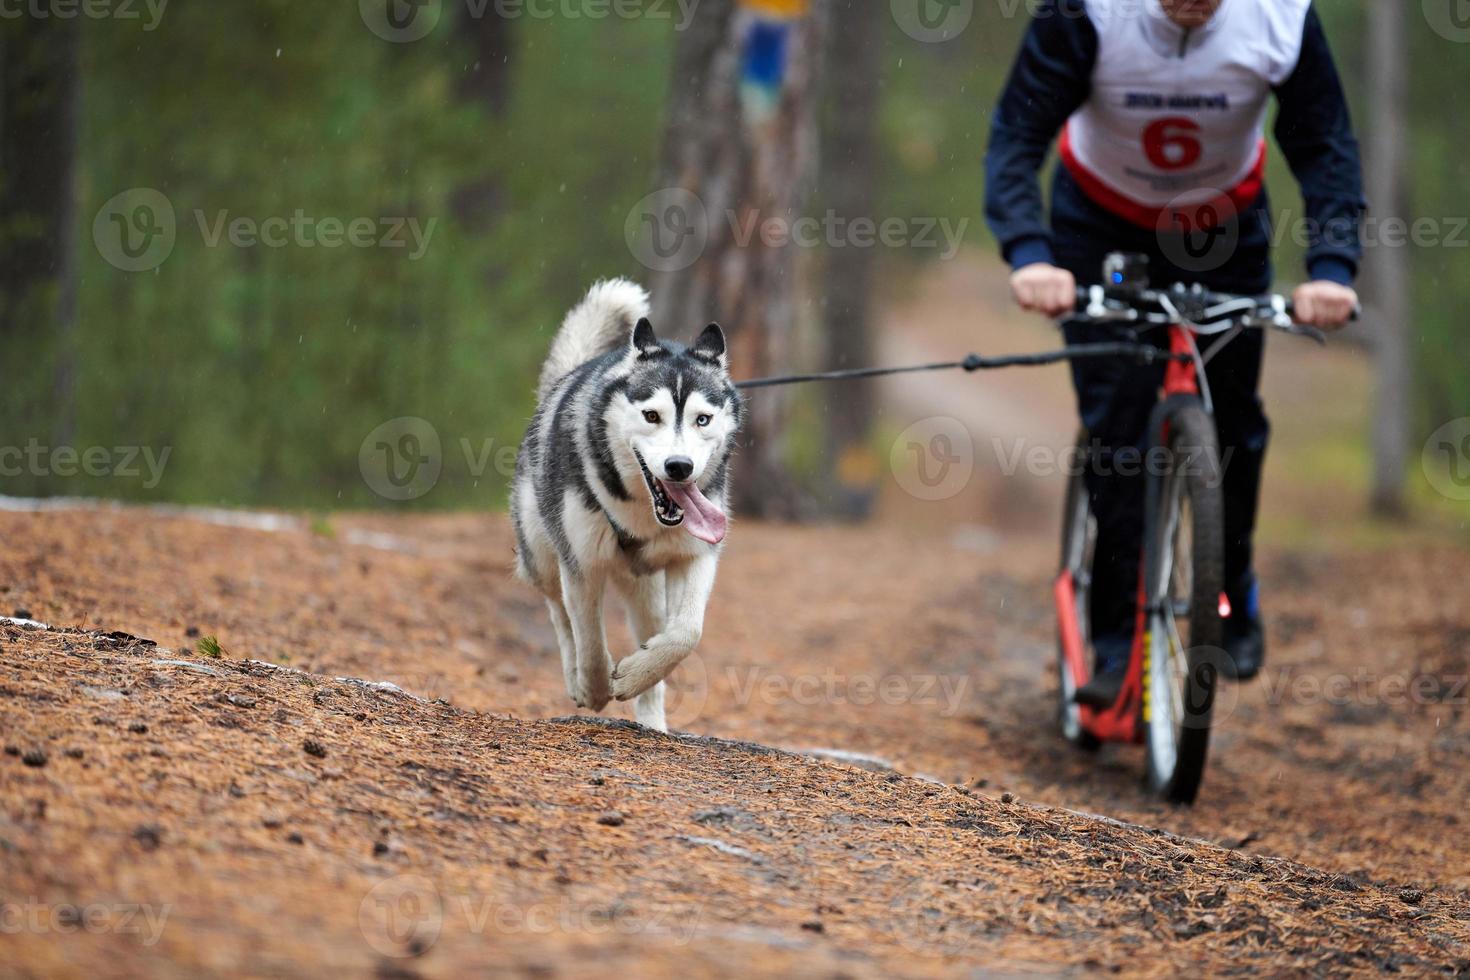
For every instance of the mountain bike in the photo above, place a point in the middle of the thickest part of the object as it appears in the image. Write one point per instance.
(1169, 691)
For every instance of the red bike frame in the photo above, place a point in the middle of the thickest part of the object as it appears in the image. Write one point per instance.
(1123, 721)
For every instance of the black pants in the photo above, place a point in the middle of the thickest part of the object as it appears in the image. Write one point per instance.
(1114, 397)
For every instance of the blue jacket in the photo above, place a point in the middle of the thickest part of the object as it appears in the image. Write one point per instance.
(1061, 67)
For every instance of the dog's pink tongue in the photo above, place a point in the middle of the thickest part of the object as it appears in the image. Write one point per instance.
(701, 517)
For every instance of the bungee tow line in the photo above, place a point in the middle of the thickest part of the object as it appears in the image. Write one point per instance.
(1142, 353)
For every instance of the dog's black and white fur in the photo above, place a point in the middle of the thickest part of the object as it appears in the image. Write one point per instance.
(620, 485)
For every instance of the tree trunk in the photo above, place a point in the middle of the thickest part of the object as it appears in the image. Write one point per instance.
(848, 176)
(747, 159)
(38, 132)
(486, 83)
(1387, 269)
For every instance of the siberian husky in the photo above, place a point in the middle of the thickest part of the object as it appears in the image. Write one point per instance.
(620, 485)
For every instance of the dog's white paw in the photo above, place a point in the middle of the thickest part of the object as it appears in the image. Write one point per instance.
(633, 675)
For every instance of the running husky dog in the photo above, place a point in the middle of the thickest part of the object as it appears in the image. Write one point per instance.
(620, 483)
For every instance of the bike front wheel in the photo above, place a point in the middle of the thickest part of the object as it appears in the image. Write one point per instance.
(1079, 538)
(1185, 555)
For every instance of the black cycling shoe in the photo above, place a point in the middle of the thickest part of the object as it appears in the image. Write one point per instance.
(1110, 658)
(1102, 691)
(1245, 648)
(1245, 637)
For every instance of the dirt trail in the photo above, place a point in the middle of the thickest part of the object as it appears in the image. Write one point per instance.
(912, 812)
(262, 807)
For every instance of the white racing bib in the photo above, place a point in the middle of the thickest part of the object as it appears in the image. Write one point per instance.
(1173, 134)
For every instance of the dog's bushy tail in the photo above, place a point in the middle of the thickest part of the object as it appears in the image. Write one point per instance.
(601, 322)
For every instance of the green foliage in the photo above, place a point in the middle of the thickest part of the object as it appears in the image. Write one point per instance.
(261, 370)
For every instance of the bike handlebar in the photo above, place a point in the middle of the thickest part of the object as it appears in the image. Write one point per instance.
(1203, 312)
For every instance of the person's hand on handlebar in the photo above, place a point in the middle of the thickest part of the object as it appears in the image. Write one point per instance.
(1042, 288)
(1324, 304)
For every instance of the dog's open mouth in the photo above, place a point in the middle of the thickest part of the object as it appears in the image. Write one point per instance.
(676, 504)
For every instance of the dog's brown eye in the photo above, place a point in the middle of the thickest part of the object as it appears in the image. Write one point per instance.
(651, 418)
(703, 420)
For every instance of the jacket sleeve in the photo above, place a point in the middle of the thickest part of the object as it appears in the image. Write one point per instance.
(1051, 78)
(1315, 133)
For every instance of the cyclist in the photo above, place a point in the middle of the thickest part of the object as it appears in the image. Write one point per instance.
(1161, 106)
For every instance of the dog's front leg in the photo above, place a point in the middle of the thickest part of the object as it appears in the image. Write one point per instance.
(688, 590)
(647, 612)
(567, 644)
(582, 596)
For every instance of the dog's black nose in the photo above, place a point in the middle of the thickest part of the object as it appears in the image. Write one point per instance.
(678, 467)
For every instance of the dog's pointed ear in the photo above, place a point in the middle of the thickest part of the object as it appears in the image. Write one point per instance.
(644, 340)
(711, 344)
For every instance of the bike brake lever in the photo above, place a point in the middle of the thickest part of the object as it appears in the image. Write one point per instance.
(1302, 330)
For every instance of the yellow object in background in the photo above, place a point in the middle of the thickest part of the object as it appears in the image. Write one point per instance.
(785, 9)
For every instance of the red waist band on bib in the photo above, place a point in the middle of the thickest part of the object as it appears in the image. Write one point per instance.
(1195, 217)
